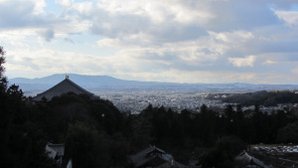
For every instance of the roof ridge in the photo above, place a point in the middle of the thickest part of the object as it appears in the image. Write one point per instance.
(76, 85)
(62, 87)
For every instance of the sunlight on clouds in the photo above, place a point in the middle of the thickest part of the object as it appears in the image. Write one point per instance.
(158, 11)
(232, 37)
(270, 62)
(108, 42)
(289, 17)
(83, 7)
(243, 62)
(65, 3)
(15, 38)
(39, 7)
(188, 14)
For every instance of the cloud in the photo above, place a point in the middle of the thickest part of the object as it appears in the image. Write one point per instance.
(243, 62)
(270, 62)
(20, 14)
(34, 15)
(65, 3)
(48, 34)
(159, 11)
(289, 17)
(170, 40)
(165, 21)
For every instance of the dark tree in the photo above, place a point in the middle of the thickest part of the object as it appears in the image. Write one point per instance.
(86, 147)
(3, 81)
(288, 134)
(22, 141)
(223, 153)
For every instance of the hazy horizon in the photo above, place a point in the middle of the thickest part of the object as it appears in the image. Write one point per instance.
(212, 41)
(71, 75)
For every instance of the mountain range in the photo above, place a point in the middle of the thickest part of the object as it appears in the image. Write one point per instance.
(97, 83)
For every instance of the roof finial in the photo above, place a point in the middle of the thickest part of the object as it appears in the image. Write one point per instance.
(66, 76)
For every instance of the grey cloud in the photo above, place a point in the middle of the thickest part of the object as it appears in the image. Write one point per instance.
(229, 15)
(285, 4)
(280, 39)
(25, 61)
(174, 33)
(69, 40)
(156, 60)
(120, 25)
(292, 57)
(14, 15)
(19, 14)
(48, 34)
(241, 15)
(256, 47)
(124, 25)
(280, 47)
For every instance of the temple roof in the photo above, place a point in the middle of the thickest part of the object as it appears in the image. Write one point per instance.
(63, 87)
(154, 157)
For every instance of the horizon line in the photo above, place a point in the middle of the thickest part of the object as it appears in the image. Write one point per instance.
(154, 81)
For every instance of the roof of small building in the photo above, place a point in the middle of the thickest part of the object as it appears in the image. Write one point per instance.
(65, 86)
(54, 150)
(249, 160)
(154, 155)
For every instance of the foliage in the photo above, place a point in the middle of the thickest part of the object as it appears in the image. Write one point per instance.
(3, 81)
(266, 98)
(288, 134)
(86, 146)
(22, 141)
(223, 153)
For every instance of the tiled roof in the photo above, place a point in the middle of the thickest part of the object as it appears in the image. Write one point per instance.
(63, 87)
(244, 157)
(153, 156)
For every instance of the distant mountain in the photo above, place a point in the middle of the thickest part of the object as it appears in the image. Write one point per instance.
(87, 81)
(96, 83)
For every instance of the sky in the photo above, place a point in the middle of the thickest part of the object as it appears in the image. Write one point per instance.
(185, 41)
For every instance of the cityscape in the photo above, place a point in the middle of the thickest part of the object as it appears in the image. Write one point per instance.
(149, 84)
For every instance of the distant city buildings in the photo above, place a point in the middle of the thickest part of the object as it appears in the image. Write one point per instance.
(135, 102)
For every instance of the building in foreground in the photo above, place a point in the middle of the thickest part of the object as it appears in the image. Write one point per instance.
(55, 152)
(154, 157)
(246, 160)
(65, 86)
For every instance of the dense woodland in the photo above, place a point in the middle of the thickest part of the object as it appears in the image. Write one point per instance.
(97, 134)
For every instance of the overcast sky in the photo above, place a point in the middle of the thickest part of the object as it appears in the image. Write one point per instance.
(193, 41)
